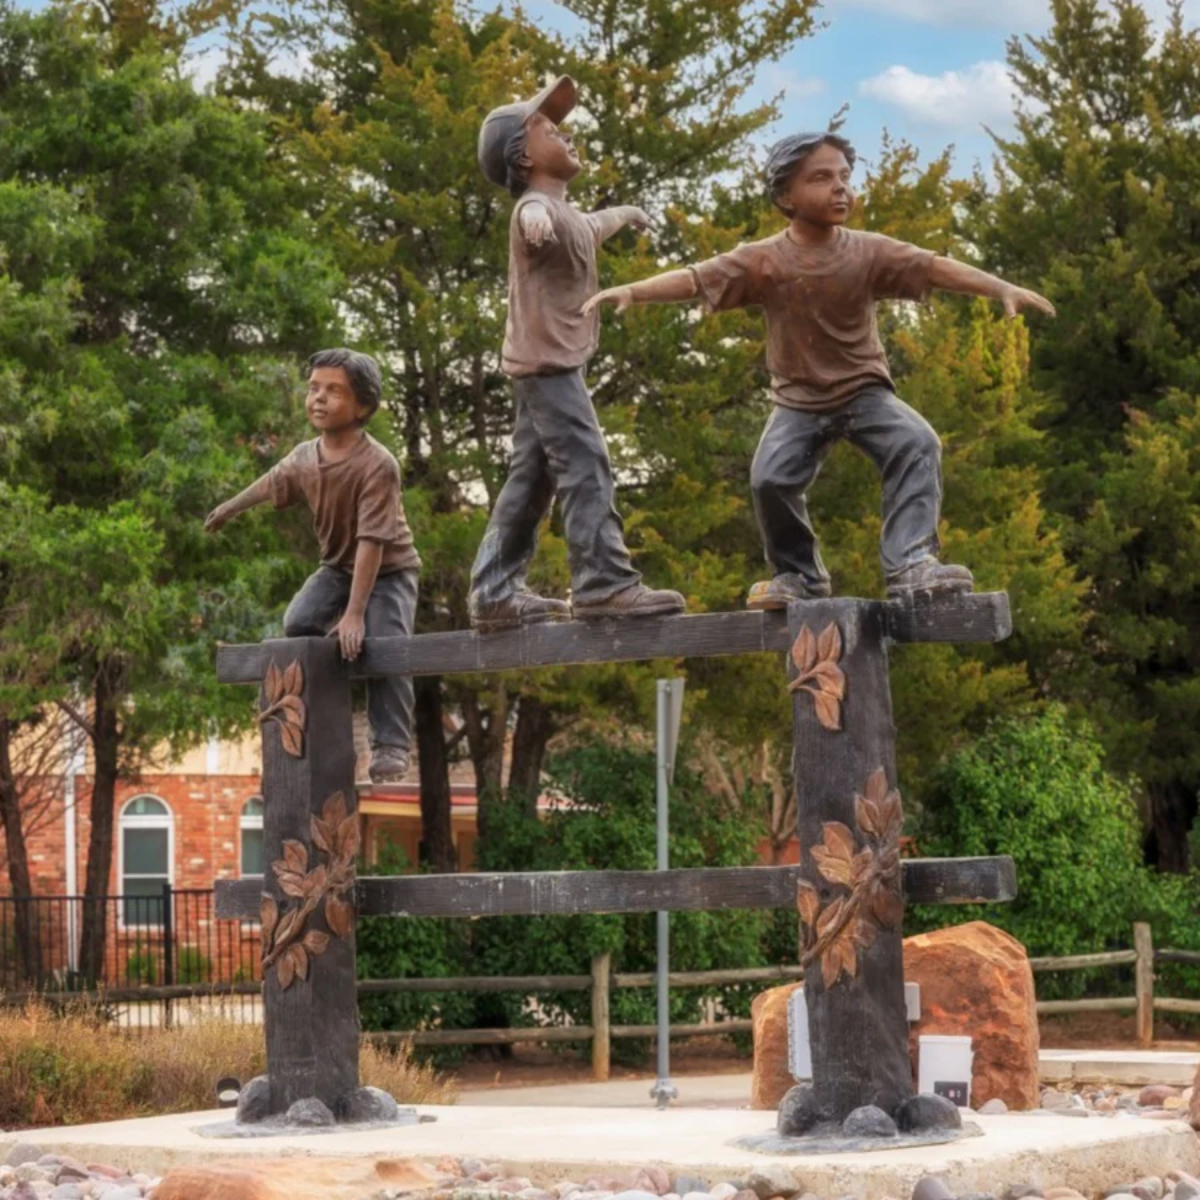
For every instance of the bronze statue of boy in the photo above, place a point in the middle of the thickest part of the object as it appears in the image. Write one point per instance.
(558, 446)
(366, 585)
(817, 284)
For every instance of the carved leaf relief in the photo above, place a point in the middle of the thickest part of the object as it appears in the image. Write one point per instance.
(818, 673)
(283, 691)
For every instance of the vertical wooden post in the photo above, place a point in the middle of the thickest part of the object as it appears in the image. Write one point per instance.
(1143, 945)
(601, 1036)
(310, 836)
(849, 819)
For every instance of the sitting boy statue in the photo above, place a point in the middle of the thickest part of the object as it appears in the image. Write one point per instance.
(817, 283)
(366, 585)
(558, 446)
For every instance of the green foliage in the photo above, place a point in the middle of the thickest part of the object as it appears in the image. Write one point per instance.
(1036, 788)
(412, 947)
(604, 819)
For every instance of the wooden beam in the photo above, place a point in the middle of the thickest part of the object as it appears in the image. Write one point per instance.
(545, 893)
(974, 618)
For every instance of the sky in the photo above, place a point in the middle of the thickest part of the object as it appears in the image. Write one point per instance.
(930, 72)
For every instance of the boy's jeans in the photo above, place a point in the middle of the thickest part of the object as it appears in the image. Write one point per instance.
(897, 439)
(392, 606)
(557, 449)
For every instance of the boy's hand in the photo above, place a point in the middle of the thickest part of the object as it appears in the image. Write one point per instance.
(639, 218)
(1016, 298)
(537, 225)
(349, 632)
(221, 515)
(620, 297)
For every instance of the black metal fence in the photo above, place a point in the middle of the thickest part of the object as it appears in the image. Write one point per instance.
(167, 957)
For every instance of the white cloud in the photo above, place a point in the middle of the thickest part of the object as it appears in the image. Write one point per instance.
(1011, 16)
(793, 86)
(979, 95)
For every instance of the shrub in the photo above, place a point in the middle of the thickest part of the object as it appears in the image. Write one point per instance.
(73, 1067)
(1036, 788)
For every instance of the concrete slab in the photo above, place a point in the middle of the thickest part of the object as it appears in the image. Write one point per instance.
(695, 1091)
(1090, 1154)
(1129, 1067)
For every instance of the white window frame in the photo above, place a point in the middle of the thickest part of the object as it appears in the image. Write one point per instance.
(254, 824)
(167, 822)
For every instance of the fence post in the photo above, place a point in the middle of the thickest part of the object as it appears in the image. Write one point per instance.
(601, 1037)
(1143, 945)
(168, 948)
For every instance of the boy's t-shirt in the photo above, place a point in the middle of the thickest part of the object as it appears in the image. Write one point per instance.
(819, 301)
(547, 285)
(356, 498)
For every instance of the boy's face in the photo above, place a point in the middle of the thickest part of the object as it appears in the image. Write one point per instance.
(331, 404)
(550, 150)
(819, 191)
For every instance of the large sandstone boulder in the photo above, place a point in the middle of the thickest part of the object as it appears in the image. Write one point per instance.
(294, 1179)
(771, 1077)
(976, 982)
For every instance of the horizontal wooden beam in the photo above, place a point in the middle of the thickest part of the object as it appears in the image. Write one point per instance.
(974, 618)
(564, 893)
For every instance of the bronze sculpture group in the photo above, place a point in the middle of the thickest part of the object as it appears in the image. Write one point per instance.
(817, 283)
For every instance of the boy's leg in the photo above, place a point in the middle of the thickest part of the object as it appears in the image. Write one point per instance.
(391, 611)
(906, 449)
(603, 579)
(789, 456)
(499, 598)
(318, 605)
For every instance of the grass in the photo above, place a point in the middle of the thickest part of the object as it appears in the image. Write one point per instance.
(73, 1067)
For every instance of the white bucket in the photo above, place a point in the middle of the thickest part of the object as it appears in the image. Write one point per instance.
(944, 1067)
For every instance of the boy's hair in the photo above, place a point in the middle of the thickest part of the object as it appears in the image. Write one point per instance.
(785, 157)
(517, 180)
(361, 369)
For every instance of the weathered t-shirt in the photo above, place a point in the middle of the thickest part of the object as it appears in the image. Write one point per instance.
(819, 301)
(547, 286)
(355, 499)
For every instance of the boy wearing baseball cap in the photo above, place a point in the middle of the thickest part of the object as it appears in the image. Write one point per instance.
(558, 447)
(817, 283)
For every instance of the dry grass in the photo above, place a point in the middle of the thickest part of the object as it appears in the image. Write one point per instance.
(73, 1068)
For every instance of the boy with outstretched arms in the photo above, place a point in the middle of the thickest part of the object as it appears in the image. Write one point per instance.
(817, 284)
(366, 585)
(558, 447)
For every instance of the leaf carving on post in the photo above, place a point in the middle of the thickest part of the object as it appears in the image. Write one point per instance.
(283, 691)
(868, 874)
(816, 661)
(288, 944)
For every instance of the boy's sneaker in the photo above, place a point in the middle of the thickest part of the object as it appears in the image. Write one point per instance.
(931, 576)
(635, 601)
(389, 764)
(521, 608)
(772, 595)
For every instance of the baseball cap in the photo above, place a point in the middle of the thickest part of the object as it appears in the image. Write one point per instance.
(555, 100)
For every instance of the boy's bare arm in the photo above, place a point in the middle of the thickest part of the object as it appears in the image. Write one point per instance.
(953, 276)
(607, 221)
(350, 630)
(668, 288)
(259, 492)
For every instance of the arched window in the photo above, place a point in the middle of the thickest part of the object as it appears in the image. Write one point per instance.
(251, 827)
(147, 857)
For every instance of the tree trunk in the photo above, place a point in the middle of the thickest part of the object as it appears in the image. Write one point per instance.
(535, 727)
(1172, 813)
(29, 950)
(106, 741)
(487, 728)
(437, 838)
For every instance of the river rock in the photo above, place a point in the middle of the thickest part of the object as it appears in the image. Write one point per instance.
(930, 1187)
(925, 1111)
(655, 1179)
(1153, 1094)
(254, 1101)
(309, 1113)
(24, 1152)
(773, 1179)
(797, 1114)
(869, 1122)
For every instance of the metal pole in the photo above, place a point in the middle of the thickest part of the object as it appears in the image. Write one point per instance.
(663, 1091)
